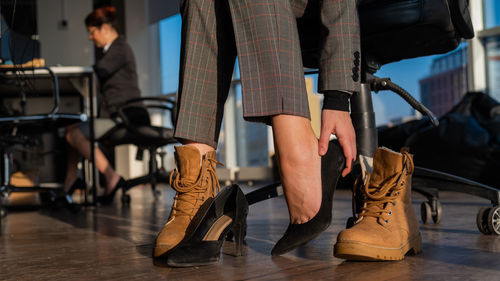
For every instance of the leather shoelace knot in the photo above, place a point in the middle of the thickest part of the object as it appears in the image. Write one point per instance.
(378, 198)
(190, 192)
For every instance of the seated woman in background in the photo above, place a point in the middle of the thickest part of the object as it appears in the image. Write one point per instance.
(116, 71)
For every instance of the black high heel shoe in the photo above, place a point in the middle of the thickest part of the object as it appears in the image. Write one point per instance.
(77, 184)
(332, 164)
(108, 198)
(227, 211)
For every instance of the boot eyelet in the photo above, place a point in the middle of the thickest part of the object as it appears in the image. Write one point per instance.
(393, 204)
(386, 221)
(390, 212)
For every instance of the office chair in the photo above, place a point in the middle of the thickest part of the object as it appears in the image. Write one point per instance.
(392, 31)
(20, 130)
(134, 127)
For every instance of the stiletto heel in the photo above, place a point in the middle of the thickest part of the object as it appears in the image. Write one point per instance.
(108, 198)
(202, 246)
(239, 224)
(237, 230)
(332, 164)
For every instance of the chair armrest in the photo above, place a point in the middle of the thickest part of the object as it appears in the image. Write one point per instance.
(156, 102)
(155, 98)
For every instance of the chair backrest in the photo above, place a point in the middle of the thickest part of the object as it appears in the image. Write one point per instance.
(136, 116)
(392, 30)
(134, 123)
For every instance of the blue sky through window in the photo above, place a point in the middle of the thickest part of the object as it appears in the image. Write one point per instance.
(491, 13)
(170, 46)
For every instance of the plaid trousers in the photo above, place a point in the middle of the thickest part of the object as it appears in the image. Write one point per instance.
(264, 36)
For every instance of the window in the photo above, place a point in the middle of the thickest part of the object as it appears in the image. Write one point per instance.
(493, 65)
(491, 13)
(170, 50)
(492, 47)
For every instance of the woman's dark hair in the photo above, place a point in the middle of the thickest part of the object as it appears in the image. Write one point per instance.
(101, 16)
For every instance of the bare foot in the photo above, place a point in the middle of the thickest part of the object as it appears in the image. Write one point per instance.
(300, 166)
(301, 178)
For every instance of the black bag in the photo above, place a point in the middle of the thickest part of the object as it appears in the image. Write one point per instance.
(466, 143)
(392, 30)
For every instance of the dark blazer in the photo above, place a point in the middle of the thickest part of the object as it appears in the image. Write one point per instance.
(116, 71)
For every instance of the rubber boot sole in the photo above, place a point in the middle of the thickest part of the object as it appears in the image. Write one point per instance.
(357, 251)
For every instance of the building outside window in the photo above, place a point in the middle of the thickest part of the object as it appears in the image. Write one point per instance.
(491, 13)
(447, 82)
(491, 40)
(492, 45)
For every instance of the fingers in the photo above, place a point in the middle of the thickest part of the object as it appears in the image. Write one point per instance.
(349, 153)
(324, 139)
(340, 124)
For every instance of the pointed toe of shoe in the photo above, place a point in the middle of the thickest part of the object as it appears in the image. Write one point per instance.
(299, 234)
(279, 249)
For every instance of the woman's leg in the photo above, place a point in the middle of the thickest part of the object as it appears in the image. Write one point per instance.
(207, 63)
(73, 157)
(77, 140)
(300, 165)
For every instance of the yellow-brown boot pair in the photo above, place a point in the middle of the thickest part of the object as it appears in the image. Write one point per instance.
(387, 227)
(195, 181)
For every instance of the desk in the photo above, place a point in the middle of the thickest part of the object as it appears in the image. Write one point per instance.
(53, 83)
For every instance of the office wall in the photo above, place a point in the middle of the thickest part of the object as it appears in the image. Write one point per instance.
(64, 45)
(143, 39)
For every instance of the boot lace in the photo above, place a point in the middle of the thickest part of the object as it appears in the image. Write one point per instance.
(378, 198)
(189, 192)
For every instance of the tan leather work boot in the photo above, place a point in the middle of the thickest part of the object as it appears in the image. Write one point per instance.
(195, 181)
(387, 228)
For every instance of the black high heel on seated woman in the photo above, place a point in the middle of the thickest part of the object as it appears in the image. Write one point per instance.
(332, 164)
(77, 184)
(202, 246)
(107, 199)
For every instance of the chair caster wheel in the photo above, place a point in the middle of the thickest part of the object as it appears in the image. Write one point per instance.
(482, 220)
(126, 199)
(488, 220)
(431, 210)
(350, 222)
(494, 220)
(425, 212)
(437, 211)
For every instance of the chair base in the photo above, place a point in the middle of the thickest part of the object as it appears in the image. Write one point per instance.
(152, 178)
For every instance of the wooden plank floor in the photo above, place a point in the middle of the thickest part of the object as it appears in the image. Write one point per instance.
(115, 243)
